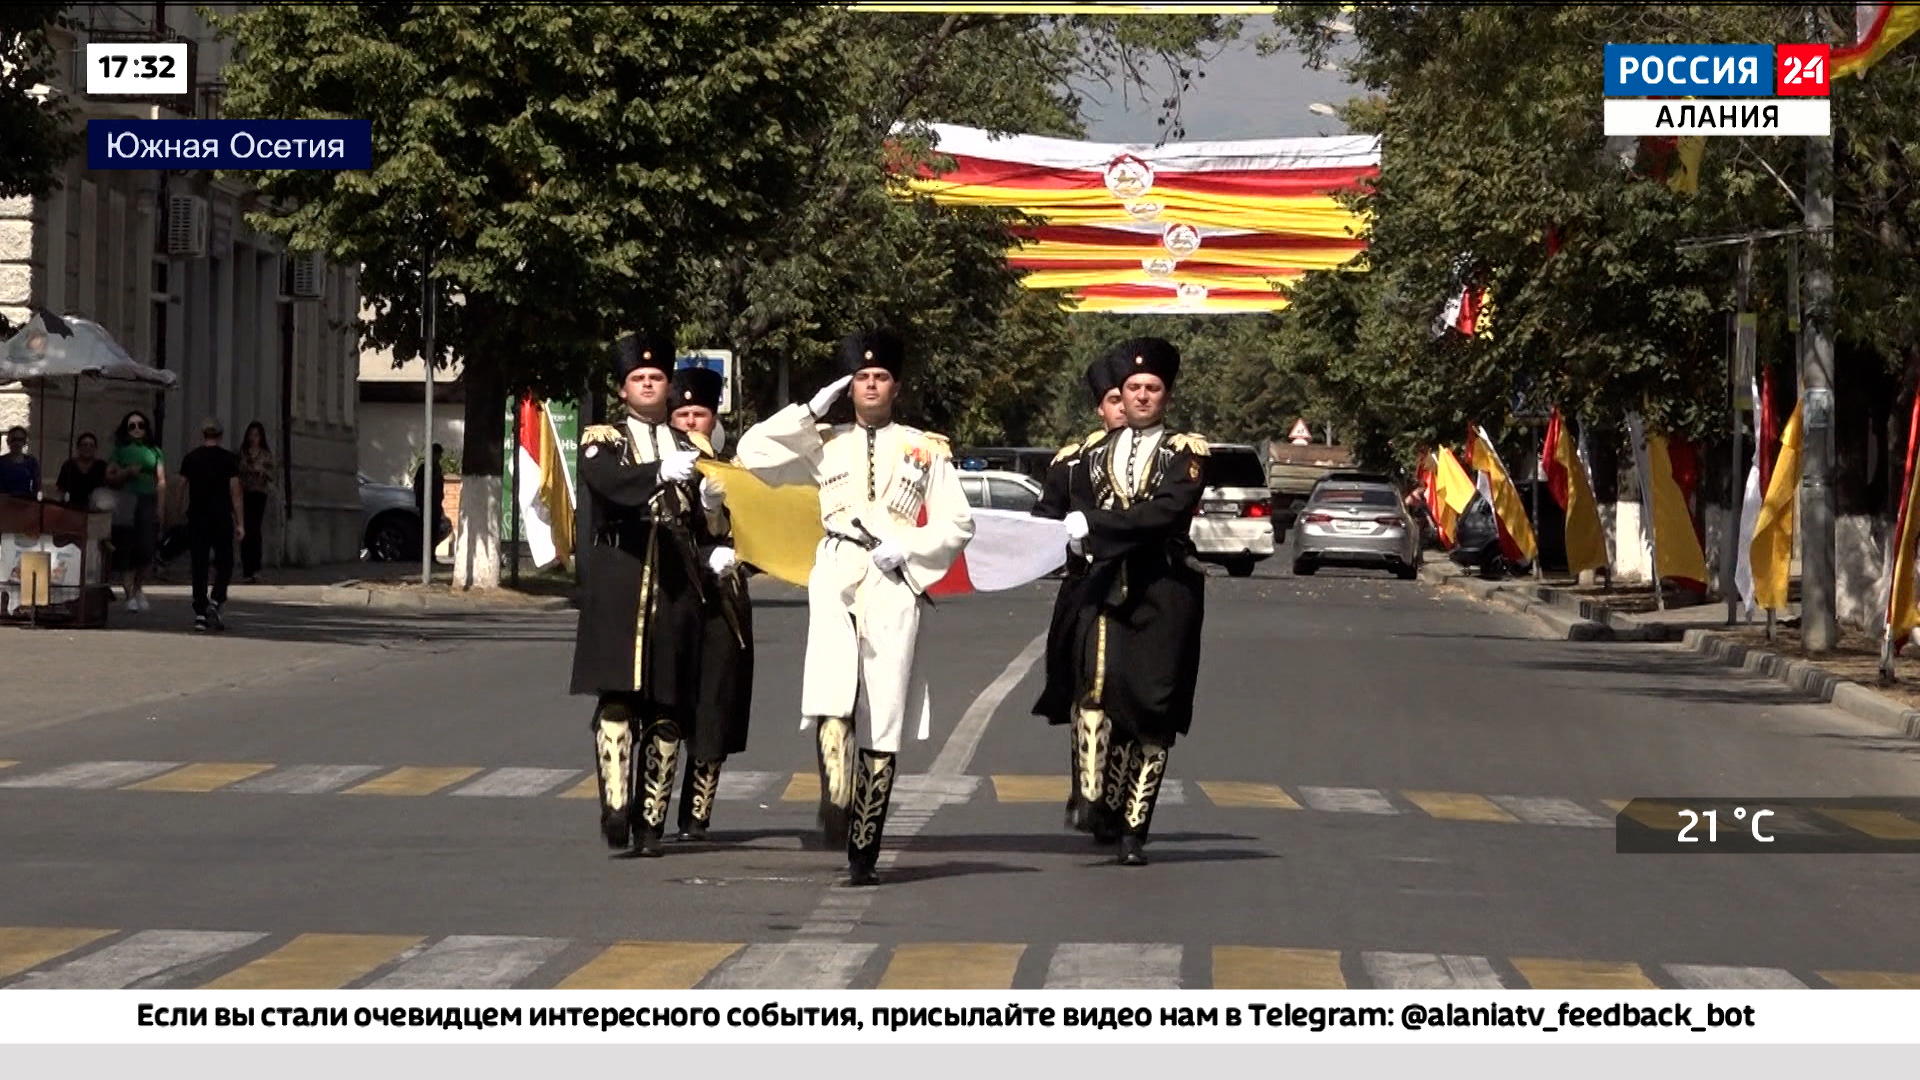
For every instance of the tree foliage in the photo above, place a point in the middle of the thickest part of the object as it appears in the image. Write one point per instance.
(34, 129)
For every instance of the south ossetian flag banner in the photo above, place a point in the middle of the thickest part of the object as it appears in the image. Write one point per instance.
(778, 528)
(546, 504)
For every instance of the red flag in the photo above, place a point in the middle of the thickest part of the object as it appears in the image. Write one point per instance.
(1550, 465)
(1769, 428)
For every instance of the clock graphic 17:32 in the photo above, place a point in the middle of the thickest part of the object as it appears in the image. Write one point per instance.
(137, 67)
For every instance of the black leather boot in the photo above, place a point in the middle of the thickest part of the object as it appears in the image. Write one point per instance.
(697, 794)
(659, 757)
(1143, 793)
(872, 791)
(613, 759)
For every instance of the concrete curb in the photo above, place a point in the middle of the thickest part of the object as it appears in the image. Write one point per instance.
(354, 594)
(1578, 619)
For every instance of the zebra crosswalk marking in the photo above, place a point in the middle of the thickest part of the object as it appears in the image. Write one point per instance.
(650, 965)
(1871, 980)
(305, 779)
(952, 967)
(150, 956)
(200, 778)
(1455, 806)
(317, 962)
(1011, 788)
(1242, 793)
(797, 965)
(472, 961)
(1543, 973)
(1718, 977)
(90, 775)
(1114, 967)
(413, 780)
(1430, 971)
(1246, 967)
(1881, 824)
(23, 947)
(803, 788)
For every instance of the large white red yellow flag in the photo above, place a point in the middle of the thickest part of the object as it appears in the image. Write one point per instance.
(543, 486)
(778, 529)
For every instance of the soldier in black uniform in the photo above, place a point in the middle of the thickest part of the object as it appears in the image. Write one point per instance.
(1137, 618)
(642, 610)
(726, 642)
(1089, 732)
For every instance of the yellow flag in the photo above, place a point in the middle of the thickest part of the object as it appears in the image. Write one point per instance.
(1685, 177)
(774, 528)
(1586, 538)
(1772, 547)
(1455, 488)
(1903, 607)
(556, 493)
(1676, 547)
(1506, 498)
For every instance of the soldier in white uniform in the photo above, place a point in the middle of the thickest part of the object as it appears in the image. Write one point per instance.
(895, 520)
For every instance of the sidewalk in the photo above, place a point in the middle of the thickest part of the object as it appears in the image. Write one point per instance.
(1846, 677)
(296, 621)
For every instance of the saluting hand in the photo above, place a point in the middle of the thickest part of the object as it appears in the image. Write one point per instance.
(827, 395)
(676, 466)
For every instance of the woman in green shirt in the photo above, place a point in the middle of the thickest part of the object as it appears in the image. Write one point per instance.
(139, 472)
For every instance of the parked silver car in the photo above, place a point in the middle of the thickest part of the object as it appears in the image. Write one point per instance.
(1356, 523)
(999, 489)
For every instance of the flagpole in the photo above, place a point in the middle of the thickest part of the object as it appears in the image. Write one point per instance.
(430, 469)
(514, 559)
(1538, 573)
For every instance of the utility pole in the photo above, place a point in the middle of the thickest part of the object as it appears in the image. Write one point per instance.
(1819, 623)
(1739, 382)
(430, 468)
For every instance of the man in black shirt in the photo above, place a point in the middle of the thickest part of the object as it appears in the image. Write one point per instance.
(214, 520)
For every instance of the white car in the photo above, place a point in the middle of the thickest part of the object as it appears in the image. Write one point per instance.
(1234, 522)
(998, 489)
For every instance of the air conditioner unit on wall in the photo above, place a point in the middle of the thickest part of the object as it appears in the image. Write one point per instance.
(187, 222)
(306, 275)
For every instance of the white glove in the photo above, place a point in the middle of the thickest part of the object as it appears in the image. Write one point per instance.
(721, 560)
(676, 466)
(1076, 524)
(828, 394)
(713, 494)
(888, 556)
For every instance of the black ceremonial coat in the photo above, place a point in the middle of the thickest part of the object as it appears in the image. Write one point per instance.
(1066, 488)
(641, 615)
(1138, 623)
(726, 659)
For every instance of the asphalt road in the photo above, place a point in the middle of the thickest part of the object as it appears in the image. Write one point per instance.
(1387, 785)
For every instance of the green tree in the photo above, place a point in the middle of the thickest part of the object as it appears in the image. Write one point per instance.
(34, 127)
(556, 170)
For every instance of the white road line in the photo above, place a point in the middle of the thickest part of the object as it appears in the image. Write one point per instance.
(792, 966)
(749, 783)
(472, 962)
(947, 788)
(150, 955)
(305, 779)
(1173, 793)
(1542, 810)
(91, 775)
(1430, 971)
(1348, 800)
(1114, 967)
(954, 757)
(1712, 977)
(518, 782)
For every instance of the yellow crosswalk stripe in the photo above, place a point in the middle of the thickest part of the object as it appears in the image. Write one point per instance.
(23, 947)
(1252, 967)
(316, 962)
(1871, 980)
(8, 764)
(1880, 824)
(413, 780)
(209, 777)
(650, 965)
(980, 966)
(1543, 973)
(585, 789)
(1457, 806)
(1654, 815)
(1028, 789)
(1238, 793)
(804, 787)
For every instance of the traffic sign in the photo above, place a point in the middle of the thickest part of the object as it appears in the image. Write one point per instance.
(1301, 435)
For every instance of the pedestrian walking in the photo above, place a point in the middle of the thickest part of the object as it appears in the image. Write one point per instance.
(215, 520)
(137, 469)
(256, 480)
(1136, 626)
(429, 490)
(1088, 730)
(895, 519)
(637, 649)
(722, 710)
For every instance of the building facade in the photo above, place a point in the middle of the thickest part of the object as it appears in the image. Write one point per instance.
(167, 264)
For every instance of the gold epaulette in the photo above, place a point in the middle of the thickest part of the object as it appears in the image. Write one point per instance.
(1095, 439)
(1066, 452)
(1192, 442)
(600, 433)
(940, 443)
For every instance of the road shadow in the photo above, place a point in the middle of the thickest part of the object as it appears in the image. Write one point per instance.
(1062, 844)
(906, 875)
